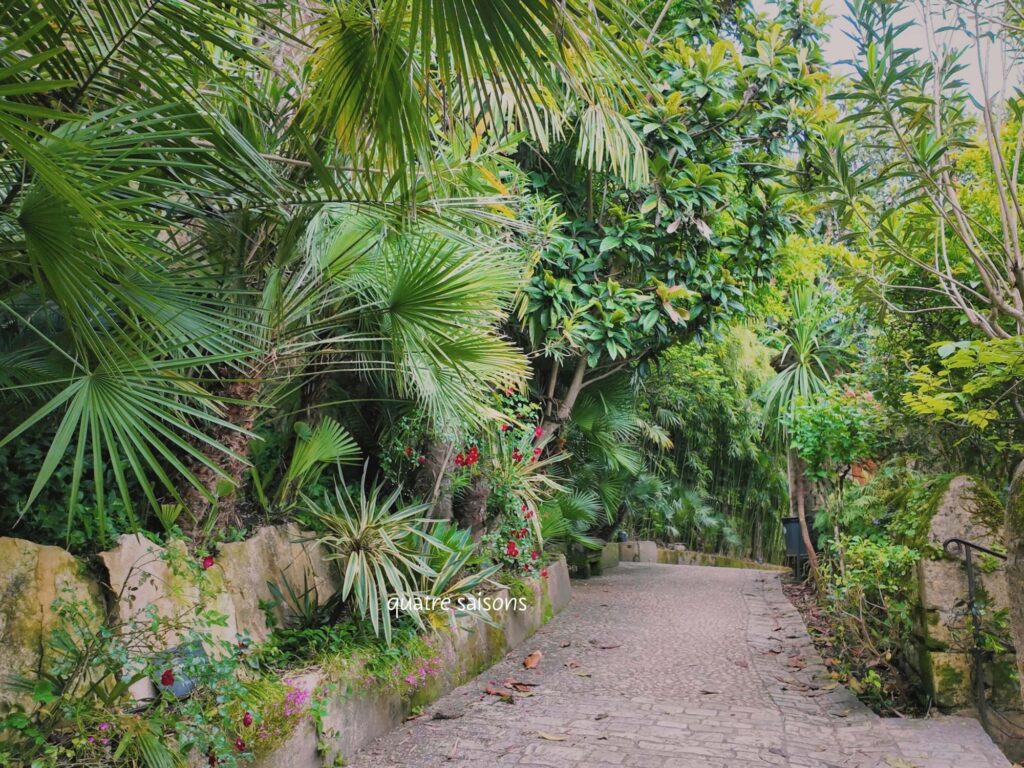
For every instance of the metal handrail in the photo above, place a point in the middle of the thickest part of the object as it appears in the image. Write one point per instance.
(961, 547)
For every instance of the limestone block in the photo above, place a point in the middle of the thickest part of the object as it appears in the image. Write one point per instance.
(32, 578)
(274, 554)
(610, 555)
(949, 678)
(959, 515)
(638, 552)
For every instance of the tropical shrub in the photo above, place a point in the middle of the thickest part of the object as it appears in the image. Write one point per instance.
(376, 543)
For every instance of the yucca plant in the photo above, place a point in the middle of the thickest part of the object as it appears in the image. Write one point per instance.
(376, 542)
(805, 366)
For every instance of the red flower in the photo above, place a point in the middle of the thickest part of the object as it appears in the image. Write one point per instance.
(208, 562)
(512, 549)
(505, 427)
(529, 514)
(213, 759)
(538, 431)
(510, 391)
(527, 567)
(534, 555)
(247, 719)
(516, 455)
(240, 744)
(167, 678)
(537, 452)
(523, 531)
(544, 572)
(460, 460)
(524, 507)
(408, 450)
(422, 460)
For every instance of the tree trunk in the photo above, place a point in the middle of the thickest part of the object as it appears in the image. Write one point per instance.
(801, 511)
(433, 481)
(564, 410)
(472, 512)
(228, 515)
(1015, 562)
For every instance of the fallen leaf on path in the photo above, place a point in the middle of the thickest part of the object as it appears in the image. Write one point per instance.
(600, 715)
(516, 685)
(581, 673)
(503, 695)
(531, 661)
(551, 736)
(741, 664)
(573, 664)
(708, 693)
(604, 646)
(566, 644)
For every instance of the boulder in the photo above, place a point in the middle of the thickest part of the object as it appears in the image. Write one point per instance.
(277, 554)
(32, 578)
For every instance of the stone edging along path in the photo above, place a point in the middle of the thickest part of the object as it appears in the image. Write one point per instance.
(356, 715)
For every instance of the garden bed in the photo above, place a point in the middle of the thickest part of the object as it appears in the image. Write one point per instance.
(351, 712)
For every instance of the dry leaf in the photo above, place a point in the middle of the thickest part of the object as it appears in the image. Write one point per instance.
(741, 664)
(573, 664)
(604, 646)
(531, 661)
(600, 715)
(581, 673)
(552, 736)
(500, 693)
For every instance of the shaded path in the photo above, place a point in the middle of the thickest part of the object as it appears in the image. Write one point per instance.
(665, 666)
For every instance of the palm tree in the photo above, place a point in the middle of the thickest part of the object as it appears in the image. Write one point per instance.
(808, 357)
(192, 223)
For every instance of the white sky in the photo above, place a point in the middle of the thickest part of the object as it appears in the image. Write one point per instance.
(840, 47)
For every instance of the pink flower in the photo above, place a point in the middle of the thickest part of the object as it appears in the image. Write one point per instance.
(529, 514)
(167, 678)
(524, 507)
(247, 719)
(538, 431)
(208, 562)
(512, 549)
(516, 455)
(537, 452)
(544, 572)
(240, 744)
(534, 555)
(104, 726)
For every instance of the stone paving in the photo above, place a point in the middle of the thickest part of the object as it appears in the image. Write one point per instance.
(671, 666)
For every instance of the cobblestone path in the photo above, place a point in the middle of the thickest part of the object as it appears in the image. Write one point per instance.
(671, 666)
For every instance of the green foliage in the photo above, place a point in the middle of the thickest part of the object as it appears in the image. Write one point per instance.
(625, 272)
(811, 351)
(836, 430)
(376, 543)
(81, 711)
(871, 599)
(971, 385)
(730, 486)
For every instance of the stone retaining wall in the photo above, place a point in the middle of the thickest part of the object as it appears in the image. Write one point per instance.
(142, 575)
(356, 715)
(689, 557)
(943, 638)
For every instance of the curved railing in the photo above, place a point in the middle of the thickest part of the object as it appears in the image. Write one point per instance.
(961, 548)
